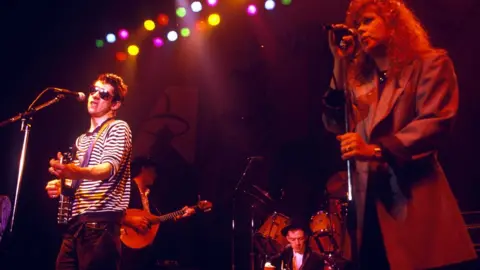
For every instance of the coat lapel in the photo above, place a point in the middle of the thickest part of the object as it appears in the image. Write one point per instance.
(304, 260)
(392, 91)
(365, 102)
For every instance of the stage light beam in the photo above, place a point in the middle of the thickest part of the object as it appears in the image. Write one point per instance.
(99, 43)
(201, 25)
(212, 3)
(123, 34)
(149, 25)
(251, 10)
(111, 38)
(269, 5)
(162, 19)
(172, 36)
(158, 42)
(133, 50)
(181, 12)
(185, 32)
(196, 6)
(121, 56)
(214, 19)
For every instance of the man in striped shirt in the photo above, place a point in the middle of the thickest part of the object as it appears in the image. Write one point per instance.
(101, 176)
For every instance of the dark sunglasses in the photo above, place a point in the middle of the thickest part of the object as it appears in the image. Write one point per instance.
(104, 94)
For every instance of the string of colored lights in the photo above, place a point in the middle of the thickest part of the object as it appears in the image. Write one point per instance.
(162, 21)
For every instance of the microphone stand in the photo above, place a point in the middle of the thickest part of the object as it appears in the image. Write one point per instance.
(26, 126)
(252, 259)
(350, 213)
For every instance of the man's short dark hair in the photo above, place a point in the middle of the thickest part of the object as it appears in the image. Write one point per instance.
(141, 162)
(120, 89)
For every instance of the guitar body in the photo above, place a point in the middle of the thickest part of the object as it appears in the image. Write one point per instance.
(133, 239)
(136, 240)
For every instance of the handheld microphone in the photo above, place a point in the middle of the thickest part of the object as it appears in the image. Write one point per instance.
(79, 95)
(339, 32)
(344, 31)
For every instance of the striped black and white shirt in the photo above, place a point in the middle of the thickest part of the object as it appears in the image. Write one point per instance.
(115, 147)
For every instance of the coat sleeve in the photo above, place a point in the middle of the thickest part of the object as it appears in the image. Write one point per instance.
(333, 113)
(333, 116)
(436, 107)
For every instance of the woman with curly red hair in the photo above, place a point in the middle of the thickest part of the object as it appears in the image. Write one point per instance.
(403, 95)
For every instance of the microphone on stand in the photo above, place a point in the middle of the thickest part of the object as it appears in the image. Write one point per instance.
(340, 29)
(340, 32)
(79, 95)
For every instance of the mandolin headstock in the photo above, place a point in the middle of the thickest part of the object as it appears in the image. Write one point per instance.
(204, 206)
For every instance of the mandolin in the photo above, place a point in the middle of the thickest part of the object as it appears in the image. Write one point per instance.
(136, 240)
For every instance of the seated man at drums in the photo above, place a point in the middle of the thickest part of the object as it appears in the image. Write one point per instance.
(298, 253)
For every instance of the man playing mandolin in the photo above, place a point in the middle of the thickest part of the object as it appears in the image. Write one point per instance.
(144, 173)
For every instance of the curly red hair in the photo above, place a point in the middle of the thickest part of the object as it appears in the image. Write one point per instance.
(408, 38)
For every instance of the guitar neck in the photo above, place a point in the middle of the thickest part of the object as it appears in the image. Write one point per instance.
(170, 216)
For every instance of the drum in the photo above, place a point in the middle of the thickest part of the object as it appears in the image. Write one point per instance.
(327, 233)
(320, 224)
(272, 241)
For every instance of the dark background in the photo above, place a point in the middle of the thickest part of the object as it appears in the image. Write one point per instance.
(260, 81)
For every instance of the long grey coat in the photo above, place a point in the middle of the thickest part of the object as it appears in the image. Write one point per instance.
(421, 223)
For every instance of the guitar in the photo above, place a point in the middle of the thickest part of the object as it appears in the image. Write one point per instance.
(67, 192)
(136, 240)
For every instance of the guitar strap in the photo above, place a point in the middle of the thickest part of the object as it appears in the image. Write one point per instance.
(88, 154)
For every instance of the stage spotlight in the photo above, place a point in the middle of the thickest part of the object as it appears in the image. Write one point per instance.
(251, 10)
(196, 6)
(162, 19)
(212, 3)
(185, 32)
(149, 25)
(111, 38)
(158, 42)
(121, 56)
(269, 5)
(214, 19)
(99, 43)
(172, 36)
(123, 34)
(201, 25)
(286, 2)
(181, 12)
(133, 50)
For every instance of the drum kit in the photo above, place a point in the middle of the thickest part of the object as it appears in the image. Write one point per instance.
(329, 234)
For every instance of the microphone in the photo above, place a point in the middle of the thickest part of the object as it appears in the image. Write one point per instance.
(79, 95)
(340, 31)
